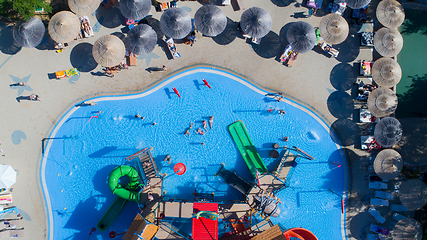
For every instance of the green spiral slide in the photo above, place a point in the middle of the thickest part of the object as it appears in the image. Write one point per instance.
(125, 193)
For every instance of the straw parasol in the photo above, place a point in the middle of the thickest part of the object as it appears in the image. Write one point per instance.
(7, 176)
(210, 20)
(357, 4)
(141, 40)
(108, 51)
(256, 22)
(386, 72)
(301, 37)
(388, 132)
(388, 42)
(175, 23)
(388, 164)
(83, 7)
(333, 28)
(29, 34)
(407, 229)
(390, 13)
(64, 26)
(413, 194)
(135, 9)
(382, 102)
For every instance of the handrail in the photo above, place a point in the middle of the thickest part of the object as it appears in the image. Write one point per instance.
(136, 154)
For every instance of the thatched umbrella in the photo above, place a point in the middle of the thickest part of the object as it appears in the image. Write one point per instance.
(175, 23)
(382, 102)
(83, 7)
(386, 72)
(135, 9)
(29, 34)
(388, 132)
(388, 42)
(141, 40)
(64, 26)
(408, 229)
(301, 37)
(413, 194)
(333, 28)
(210, 20)
(357, 4)
(388, 164)
(256, 22)
(390, 13)
(108, 51)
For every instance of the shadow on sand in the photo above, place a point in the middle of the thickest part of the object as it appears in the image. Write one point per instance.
(81, 57)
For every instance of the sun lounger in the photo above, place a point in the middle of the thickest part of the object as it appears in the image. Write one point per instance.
(368, 142)
(14, 233)
(286, 54)
(316, 4)
(329, 49)
(6, 199)
(86, 29)
(374, 213)
(67, 73)
(377, 229)
(172, 48)
(338, 7)
(384, 195)
(257, 41)
(226, 2)
(365, 116)
(365, 68)
(9, 213)
(379, 202)
(398, 217)
(292, 58)
(398, 208)
(10, 224)
(372, 236)
(378, 185)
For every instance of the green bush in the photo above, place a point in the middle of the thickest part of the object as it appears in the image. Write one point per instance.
(23, 9)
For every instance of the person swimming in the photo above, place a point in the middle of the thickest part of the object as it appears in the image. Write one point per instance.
(211, 121)
(204, 125)
(188, 129)
(200, 131)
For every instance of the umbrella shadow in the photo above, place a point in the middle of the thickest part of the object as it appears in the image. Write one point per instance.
(110, 18)
(47, 43)
(155, 25)
(269, 46)
(340, 104)
(229, 34)
(283, 40)
(343, 76)
(359, 225)
(349, 49)
(210, 2)
(7, 43)
(81, 57)
(346, 130)
(119, 35)
(282, 3)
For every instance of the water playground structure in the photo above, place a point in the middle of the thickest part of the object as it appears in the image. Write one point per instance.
(260, 201)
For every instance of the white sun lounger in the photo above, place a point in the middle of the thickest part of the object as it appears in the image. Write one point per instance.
(374, 213)
(10, 224)
(384, 195)
(398, 208)
(372, 236)
(6, 199)
(6, 234)
(398, 217)
(379, 202)
(378, 185)
(172, 48)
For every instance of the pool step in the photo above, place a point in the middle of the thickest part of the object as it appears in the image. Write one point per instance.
(147, 166)
(169, 231)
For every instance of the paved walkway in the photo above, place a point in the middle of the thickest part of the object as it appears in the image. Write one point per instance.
(315, 80)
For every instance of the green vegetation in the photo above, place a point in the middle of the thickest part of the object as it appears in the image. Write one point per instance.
(22, 9)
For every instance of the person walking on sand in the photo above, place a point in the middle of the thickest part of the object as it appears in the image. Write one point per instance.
(164, 68)
(211, 121)
(204, 125)
(34, 97)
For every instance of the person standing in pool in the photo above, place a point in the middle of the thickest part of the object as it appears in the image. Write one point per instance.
(188, 129)
(211, 121)
(204, 125)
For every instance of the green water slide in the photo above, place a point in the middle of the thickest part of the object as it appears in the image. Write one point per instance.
(246, 148)
(125, 193)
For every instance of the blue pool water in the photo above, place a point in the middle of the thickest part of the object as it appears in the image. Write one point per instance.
(81, 152)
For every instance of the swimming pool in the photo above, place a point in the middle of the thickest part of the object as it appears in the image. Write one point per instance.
(82, 151)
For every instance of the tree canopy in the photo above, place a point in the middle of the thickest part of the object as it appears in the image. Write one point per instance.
(24, 9)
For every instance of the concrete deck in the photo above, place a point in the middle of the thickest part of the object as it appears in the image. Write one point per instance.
(315, 80)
